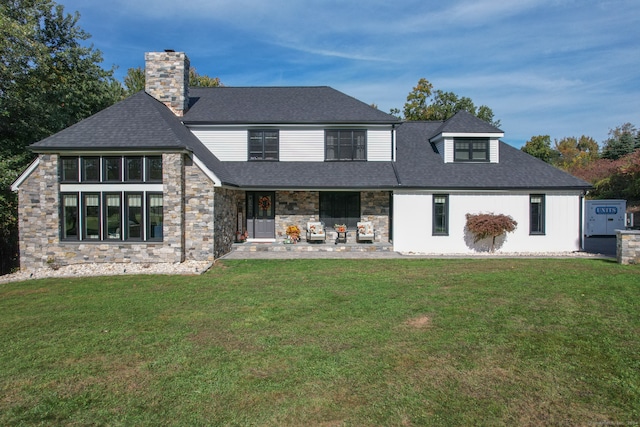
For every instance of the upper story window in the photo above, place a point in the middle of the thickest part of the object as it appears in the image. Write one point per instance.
(471, 150)
(111, 169)
(346, 145)
(264, 145)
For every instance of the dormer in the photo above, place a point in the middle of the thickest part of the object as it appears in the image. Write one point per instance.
(464, 138)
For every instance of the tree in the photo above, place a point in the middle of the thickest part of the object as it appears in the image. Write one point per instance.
(622, 140)
(423, 103)
(576, 152)
(491, 225)
(48, 81)
(540, 147)
(197, 80)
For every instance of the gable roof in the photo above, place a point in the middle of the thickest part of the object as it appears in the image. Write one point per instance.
(279, 105)
(419, 166)
(465, 122)
(138, 123)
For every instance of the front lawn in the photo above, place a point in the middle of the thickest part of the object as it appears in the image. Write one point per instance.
(327, 342)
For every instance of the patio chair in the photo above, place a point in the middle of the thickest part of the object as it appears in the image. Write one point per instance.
(316, 232)
(365, 232)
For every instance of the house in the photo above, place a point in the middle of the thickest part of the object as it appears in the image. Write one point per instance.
(175, 173)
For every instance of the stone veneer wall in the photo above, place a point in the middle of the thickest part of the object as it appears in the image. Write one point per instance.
(227, 204)
(628, 246)
(38, 220)
(300, 207)
(167, 79)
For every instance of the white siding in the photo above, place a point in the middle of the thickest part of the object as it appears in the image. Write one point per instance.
(297, 143)
(413, 220)
(379, 145)
(302, 145)
(228, 145)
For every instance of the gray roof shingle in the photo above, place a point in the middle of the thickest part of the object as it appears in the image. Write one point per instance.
(250, 105)
(419, 166)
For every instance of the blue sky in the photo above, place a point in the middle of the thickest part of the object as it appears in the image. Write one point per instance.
(545, 67)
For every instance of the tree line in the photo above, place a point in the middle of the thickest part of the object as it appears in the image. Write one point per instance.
(613, 170)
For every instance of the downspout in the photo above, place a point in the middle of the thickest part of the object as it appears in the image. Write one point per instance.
(581, 220)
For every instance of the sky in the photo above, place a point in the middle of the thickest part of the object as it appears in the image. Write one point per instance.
(545, 67)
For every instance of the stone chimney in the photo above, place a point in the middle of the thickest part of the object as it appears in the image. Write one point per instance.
(167, 79)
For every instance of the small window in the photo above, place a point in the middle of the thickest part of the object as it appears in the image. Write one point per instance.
(91, 216)
(471, 150)
(113, 216)
(536, 214)
(133, 169)
(133, 216)
(346, 145)
(70, 217)
(112, 169)
(440, 215)
(69, 169)
(154, 169)
(264, 145)
(91, 169)
(155, 215)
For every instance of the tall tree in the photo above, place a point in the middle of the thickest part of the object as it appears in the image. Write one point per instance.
(540, 146)
(423, 103)
(576, 152)
(622, 140)
(48, 81)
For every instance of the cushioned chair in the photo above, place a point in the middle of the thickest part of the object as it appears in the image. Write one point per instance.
(365, 232)
(316, 232)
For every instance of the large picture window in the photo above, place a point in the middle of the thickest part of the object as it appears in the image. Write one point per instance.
(346, 145)
(471, 150)
(340, 208)
(440, 215)
(263, 145)
(536, 214)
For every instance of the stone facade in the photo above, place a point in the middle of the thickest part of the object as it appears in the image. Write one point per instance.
(189, 199)
(167, 79)
(300, 207)
(628, 246)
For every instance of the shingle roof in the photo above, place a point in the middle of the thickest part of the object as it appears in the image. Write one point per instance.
(312, 175)
(465, 122)
(139, 122)
(279, 105)
(419, 166)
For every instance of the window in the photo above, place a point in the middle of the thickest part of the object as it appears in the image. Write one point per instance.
(263, 145)
(471, 150)
(70, 217)
(91, 216)
(440, 215)
(346, 145)
(154, 169)
(69, 169)
(113, 216)
(133, 169)
(134, 219)
(112, 168)
(155, 216)
(536, 214)
(340, 208)
(91, 169)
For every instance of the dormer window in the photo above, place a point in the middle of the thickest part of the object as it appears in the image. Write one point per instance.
(471, 149)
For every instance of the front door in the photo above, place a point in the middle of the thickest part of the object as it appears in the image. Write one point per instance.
(261, 218)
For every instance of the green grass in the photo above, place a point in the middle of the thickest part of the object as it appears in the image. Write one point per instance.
(327, 342)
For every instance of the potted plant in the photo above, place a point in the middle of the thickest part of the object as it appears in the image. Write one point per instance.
(293, 233)
(340, 228)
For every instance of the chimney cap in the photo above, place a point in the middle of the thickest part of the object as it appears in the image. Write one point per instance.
(169, 50)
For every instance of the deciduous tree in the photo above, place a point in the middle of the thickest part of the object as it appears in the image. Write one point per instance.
(483, 226)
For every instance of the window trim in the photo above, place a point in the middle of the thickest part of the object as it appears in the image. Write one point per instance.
(354, 148)
(541, 215)
(470, 150)
(262, 133)
(434, 214)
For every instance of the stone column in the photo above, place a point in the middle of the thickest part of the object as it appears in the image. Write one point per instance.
(628, 246)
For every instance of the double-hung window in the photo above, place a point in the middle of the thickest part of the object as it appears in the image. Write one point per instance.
(536, 214)
(346, 145)
(440, 215)
(471, 149)
(264, 145)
